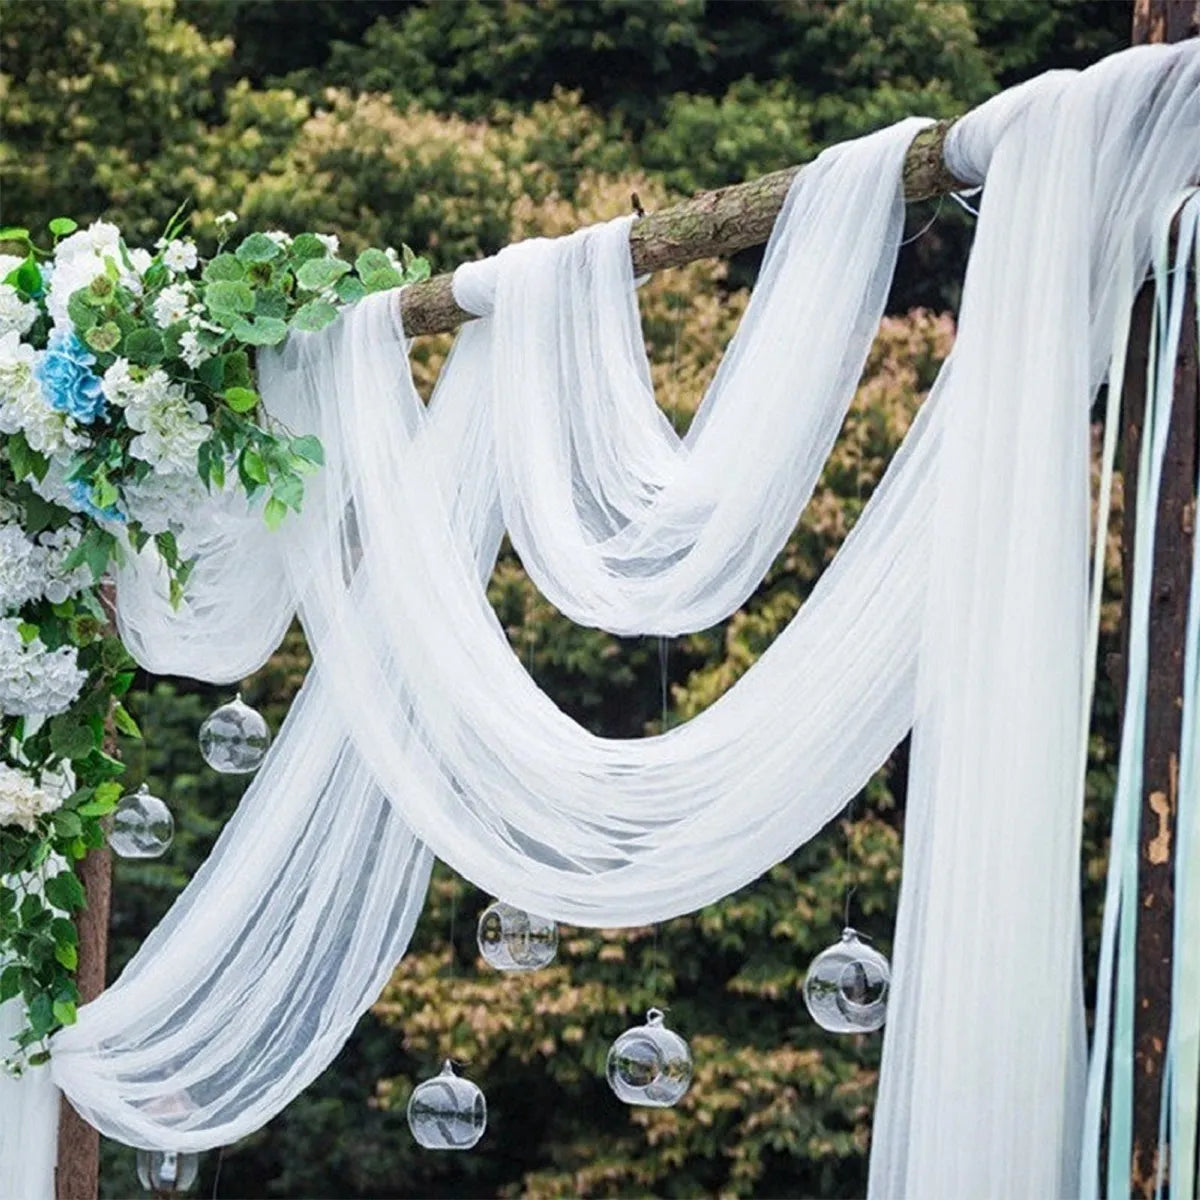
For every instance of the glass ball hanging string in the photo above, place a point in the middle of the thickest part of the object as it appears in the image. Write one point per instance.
(234, 738)
(447, 1112)
(142, 826)
(509, 938)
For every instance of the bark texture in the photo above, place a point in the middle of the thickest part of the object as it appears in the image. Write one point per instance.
(709, 225)
(1159, 21)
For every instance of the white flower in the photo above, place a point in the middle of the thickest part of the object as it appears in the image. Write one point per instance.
(166, 502)
(117, 384)
(31, 568)
(226, 219)
(8, 264)
(15, 313)
(23, 408)
(191, 349)
(172, 305)
(33, 679)
(180, 256)
(281, 239)
(55, 545)
(141, 260)
(78, 260)
(329, 241)
(170, 427)
(393, 257)
(20, 578)
(22, 801)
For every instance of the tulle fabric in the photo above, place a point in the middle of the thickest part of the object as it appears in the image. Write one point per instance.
(958, 605)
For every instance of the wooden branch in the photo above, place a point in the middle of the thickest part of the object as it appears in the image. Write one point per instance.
(1159, 21)
(710, 225)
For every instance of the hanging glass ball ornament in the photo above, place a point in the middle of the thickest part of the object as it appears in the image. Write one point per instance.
(447, 1112)
(142, 826)
(511, 939)
(650, 1064)
(165, 1172)
(234, 738)
(847, 985)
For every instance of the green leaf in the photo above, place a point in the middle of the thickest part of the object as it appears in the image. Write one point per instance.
(83, 315)
(317, 274)
(14, 233)
(65, 891)
(314, 315)
(306, 246)
(71, 738)
(28, 632)
(310, 448)
(350, 289)
(103, 338)
(270, 302)
(144, 346)
(123, 721)
(416, 271)
(289, 489)
(64, 1012)
(254, 466)
(241, 399)
(263, 331)
(225, 268)
(67, 824)
(212, 372)
(41, 1015)
(69, 957)
(167, 547)
(258, 248)
(229, 297)
(104, 492)
(237, 369)
(96, 548)
(61, 226)
(64, 932)
(25, 462)
(381, 281)
(372, 260)
(29, 277)
(10, 982)
(274, 512)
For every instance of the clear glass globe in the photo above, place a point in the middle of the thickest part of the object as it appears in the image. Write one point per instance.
(142, 826)
(166, 1171)
(847, 985)
(447, 1112)
(650, 1065)
(234, 738)
(511, 939)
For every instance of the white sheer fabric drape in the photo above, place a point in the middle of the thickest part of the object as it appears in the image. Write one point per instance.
(419, 727)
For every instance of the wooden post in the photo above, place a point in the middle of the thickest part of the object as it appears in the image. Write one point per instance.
(77, 1175)
(77, 1171)
(1159, 21)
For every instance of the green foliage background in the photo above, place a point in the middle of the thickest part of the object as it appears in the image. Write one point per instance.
(455, 127)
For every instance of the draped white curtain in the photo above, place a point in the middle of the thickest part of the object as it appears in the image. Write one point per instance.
(957, 606)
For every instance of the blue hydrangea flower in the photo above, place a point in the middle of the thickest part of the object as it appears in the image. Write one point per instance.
(67, 380)
(81, 497)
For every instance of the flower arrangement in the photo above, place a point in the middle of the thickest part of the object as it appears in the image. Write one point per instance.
(126, 391)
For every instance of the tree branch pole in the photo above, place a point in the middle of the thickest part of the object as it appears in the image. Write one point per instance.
(77, 1170)
(710, 225)
(1159, 21)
